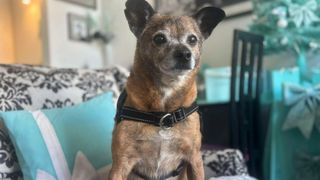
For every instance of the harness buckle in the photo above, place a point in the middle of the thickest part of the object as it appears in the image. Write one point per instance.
(182, 114)
(165, 124)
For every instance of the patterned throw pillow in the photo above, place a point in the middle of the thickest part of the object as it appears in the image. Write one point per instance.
(29, 88)
(66, 142)
(24, 87)
(227, 162)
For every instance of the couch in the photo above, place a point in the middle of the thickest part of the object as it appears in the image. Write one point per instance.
(24, 87)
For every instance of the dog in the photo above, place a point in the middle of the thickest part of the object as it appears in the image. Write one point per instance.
(162, 85)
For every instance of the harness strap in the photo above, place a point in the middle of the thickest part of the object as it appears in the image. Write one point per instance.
(161, 119)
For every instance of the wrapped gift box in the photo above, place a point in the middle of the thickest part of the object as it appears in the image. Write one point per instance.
(217, 83)
(278, 77)
(316, 76)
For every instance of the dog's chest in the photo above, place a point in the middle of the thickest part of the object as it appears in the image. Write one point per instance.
(164, 155)
(169, 150)
(167, 147)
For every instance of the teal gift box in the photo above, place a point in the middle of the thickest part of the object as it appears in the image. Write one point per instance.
(287, 146)
(316, 76)
(217, 83)
(278, 77)
(294, 133)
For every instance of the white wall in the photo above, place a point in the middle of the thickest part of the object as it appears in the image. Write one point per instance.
(217, 49)
(62, 51)
(65, 53)
(123, 45)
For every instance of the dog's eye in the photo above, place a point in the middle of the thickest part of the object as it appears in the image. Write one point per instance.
(160, 39)
(192, 40)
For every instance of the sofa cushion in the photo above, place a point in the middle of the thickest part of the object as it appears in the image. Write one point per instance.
(227, 162)
(63, 142)
(29, 88)
(24, 87)
(9, 167)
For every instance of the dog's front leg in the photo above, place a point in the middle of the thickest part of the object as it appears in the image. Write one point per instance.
(195, 169)
(121, 169)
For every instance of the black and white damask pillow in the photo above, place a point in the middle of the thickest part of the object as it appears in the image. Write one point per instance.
(31, 88)
(24, 87)
(227, 162)
(9, 167)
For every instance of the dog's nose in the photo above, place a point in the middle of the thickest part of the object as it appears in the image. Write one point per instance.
(184, 55)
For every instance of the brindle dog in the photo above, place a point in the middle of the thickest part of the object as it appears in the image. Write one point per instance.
(162, 80)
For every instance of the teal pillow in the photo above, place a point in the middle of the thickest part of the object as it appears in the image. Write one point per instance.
(66, 143)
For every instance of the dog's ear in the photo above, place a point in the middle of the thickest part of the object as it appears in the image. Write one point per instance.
(208, 18)
(138, 12)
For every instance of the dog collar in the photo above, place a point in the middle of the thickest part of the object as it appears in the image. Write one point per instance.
(165, 120)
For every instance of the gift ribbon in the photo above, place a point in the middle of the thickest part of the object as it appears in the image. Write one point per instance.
(304, 14)
(305, 108)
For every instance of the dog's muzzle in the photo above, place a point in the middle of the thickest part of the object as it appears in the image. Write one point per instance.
(183, 58)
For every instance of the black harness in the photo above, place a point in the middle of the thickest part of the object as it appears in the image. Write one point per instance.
(163, 120)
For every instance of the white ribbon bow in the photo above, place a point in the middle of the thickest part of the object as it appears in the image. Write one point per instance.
(304, 15)
(305, 108)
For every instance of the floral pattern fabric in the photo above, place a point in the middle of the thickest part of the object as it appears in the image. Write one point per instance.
(24, 87)
(227, 162)
(30, 88)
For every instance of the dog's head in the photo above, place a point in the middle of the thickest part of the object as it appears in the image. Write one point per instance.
(171, 44)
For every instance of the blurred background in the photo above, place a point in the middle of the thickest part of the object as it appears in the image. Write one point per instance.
(38, 31)
(258, 86)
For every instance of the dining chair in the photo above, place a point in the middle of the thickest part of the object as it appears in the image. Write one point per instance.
(244, 95)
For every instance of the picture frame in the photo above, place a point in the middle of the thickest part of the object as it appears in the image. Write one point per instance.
(85, 3)
(233, 8)
(78, 27)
